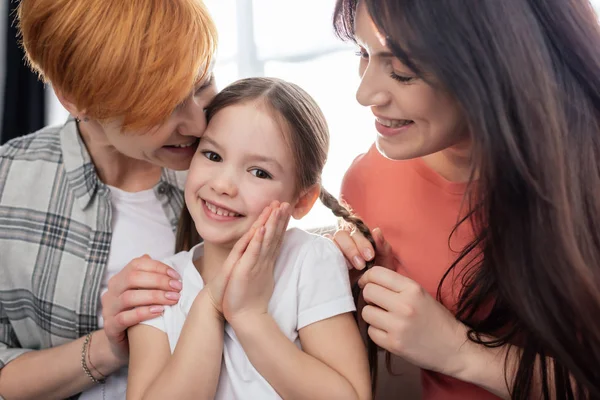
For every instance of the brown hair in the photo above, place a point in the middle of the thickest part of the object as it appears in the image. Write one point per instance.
(113, 58)
(306, 132)
(526, 74)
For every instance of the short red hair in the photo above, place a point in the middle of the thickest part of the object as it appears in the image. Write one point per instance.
(134, 59)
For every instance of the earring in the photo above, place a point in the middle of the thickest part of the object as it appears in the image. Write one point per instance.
(85, 119)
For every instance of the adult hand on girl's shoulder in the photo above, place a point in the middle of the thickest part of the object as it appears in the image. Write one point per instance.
(138, 293)
(405, 320)
(251, 282)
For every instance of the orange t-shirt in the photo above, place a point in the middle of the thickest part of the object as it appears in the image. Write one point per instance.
(416, 209)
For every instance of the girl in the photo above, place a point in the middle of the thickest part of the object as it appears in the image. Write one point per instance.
(246, 328)
(491, 109)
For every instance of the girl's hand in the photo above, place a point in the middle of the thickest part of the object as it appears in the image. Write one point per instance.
(405, 320)
(358, 250)
(216, 287)
(251, 281)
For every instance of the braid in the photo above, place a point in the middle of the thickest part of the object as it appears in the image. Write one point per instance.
(349, 219)
(343, 212)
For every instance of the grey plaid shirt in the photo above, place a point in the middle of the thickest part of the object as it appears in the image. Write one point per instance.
(55, 233)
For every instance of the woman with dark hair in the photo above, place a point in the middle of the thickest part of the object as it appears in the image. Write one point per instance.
(490, 110)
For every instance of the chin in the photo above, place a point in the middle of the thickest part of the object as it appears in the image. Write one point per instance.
(394, 151)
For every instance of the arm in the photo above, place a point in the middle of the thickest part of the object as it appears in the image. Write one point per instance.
(324, 370)
(192, 372)
(56, 373)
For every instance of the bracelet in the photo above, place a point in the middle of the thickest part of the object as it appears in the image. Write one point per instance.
(89, 358)
(87, 371)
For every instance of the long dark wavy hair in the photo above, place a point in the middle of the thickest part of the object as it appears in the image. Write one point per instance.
(526, 74)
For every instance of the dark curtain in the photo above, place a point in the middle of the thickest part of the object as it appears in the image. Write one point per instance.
(24, 99)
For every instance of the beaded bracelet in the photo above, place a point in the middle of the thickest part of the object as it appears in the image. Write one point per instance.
(84, 350)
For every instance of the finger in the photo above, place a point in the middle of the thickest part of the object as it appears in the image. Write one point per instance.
(380, 337)
(251, 255)
(377, 317)
(142, 280)
(347, 245)
(380, 296)
(120, 282)
(263, 217)
(387, 278)
(363, 245)
(384, 249)
(141, 298)
(133, 317)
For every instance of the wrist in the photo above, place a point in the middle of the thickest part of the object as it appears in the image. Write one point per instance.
(250, 322)
(102, 357)
(205, 303)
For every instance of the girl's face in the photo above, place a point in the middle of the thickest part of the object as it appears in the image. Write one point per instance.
(243, 163)
(412, 118)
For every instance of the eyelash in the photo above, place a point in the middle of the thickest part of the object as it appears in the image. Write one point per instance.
(211, 155)
(393, 75)
(267, 175)
(208, 154)
(206, 84)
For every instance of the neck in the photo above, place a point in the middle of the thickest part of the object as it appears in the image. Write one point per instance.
(113, 167)
(212, 261)
(453, 163)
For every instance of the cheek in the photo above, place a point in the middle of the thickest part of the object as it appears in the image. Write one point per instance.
(260, 197)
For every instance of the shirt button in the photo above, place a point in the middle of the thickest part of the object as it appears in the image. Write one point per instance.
(162, 189)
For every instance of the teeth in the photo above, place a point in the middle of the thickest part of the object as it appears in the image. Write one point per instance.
(393, 123)
(219, 211)
(182, 146)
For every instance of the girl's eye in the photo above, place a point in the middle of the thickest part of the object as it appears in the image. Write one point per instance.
(260, 173)
(212, 156)
(401, 78)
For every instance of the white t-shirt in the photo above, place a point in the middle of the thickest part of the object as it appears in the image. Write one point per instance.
(311, 284)
(139, 226)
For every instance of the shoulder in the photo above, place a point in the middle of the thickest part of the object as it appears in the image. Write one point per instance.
(308, 250)
(179, 261)
(43, 145)
(30, 161)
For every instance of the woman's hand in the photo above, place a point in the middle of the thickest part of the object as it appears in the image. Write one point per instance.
(405, 320)
(358, 250)
(138, 293)
(251, 281)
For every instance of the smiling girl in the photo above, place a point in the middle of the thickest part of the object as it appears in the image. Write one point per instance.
(245, 328)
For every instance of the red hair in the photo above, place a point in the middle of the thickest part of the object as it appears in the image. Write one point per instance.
(130, 59)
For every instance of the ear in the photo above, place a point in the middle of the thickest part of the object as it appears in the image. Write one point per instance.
(67, 104)
(306, 201)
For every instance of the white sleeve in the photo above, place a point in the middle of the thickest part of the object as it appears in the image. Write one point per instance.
(158, 322)
(324, 284)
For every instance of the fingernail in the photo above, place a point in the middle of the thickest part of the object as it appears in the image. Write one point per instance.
(156, 309)
(358, 262)
(176, 285)
(173, 274)
(172, 295)
(368, 254)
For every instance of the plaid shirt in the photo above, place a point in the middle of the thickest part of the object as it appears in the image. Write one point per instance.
(55, 234)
